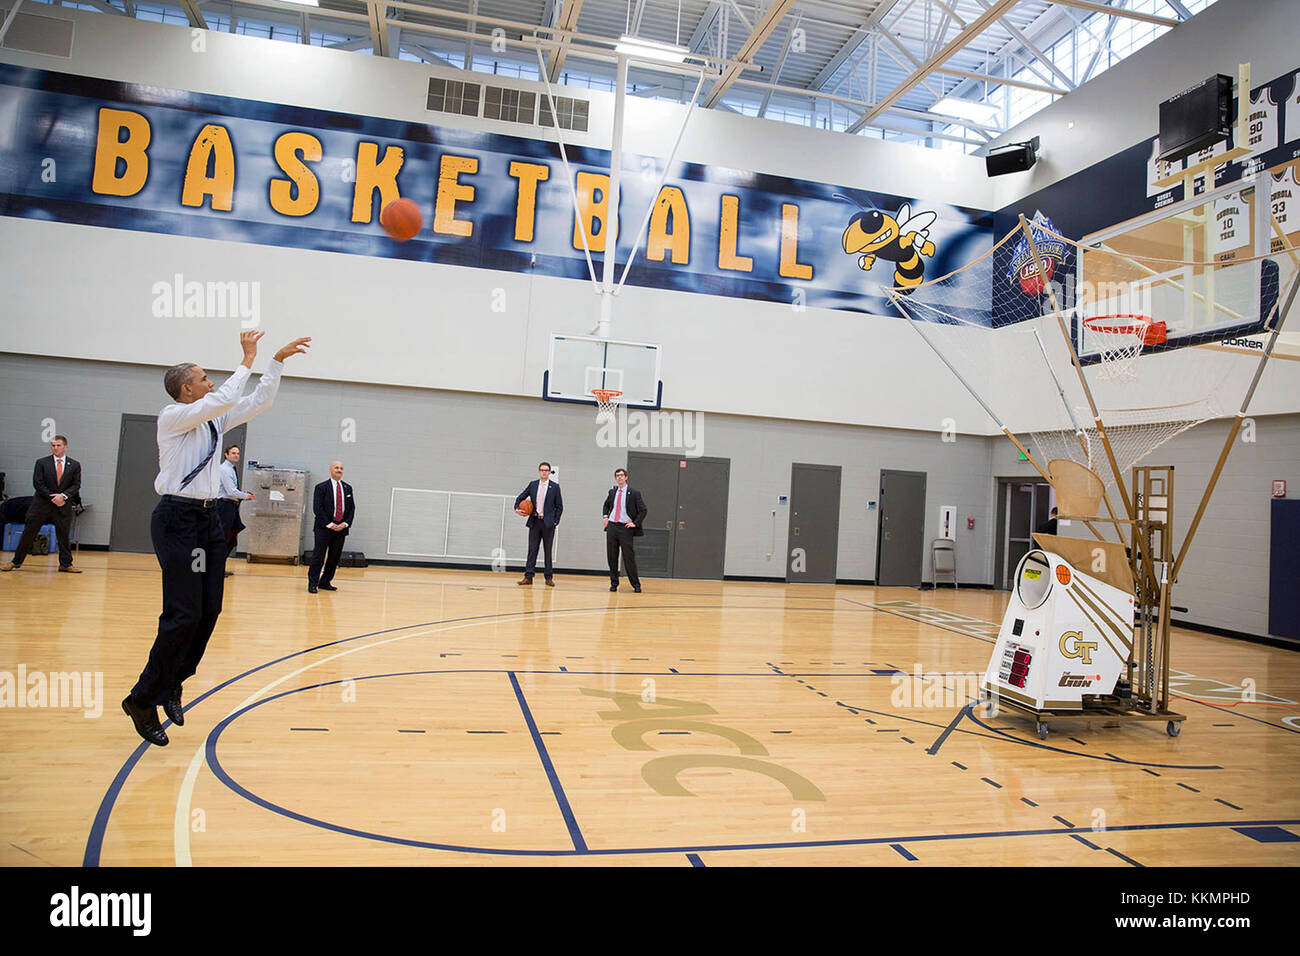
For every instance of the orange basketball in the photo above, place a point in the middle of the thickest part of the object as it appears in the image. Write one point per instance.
(526, 506)
(401, 219)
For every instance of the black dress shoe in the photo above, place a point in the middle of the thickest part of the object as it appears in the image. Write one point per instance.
(173, 709)
(614, 588)
(327, 587)
(636, 589)
(311, 589)
(146, 722)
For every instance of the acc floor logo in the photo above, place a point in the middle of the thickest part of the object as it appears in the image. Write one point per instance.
(75, 908)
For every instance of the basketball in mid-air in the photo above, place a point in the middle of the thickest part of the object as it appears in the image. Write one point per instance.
(526, 506)
(401, 219)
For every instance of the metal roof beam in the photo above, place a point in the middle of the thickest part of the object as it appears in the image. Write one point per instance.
(568, 21)
(1117, 12)
(855, 41)
(191, 8)
(976, 27)
(1029, 45)
(780, 65)
(748, 50)
(1182, 11)
(378, 17)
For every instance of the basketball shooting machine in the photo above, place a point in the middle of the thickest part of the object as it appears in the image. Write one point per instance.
(1086, 635)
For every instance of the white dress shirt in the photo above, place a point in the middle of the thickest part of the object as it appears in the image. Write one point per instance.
(542, 488)
(229, 482)
(184, 437)
(60, 466)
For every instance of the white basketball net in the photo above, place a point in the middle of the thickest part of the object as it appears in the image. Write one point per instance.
(1119, 341)
(606, 403)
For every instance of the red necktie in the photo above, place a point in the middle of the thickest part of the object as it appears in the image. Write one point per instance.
(58, 472)
(618, 507)
(338, 502)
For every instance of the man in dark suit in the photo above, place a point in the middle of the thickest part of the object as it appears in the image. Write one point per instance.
(548, 505)
(57, 480)
(624, 512)
(334, 508)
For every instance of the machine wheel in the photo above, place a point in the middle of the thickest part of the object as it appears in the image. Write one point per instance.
(1173, 728)
(1042, 730)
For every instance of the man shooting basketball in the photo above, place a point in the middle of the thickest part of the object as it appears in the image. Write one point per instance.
(186, 525)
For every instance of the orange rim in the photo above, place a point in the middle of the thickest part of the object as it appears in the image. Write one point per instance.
(1152, 332)
(605, 394)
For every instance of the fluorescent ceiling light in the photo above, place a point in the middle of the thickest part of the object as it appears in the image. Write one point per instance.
(966, 109)
(651, 50)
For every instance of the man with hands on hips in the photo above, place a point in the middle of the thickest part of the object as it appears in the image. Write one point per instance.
(624, 511)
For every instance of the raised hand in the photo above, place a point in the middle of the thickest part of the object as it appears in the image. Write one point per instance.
(296, 347)
(248, 342)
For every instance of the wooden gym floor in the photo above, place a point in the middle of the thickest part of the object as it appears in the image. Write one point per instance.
(420, 717)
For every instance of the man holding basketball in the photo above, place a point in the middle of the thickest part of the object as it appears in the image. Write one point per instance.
(545, 505)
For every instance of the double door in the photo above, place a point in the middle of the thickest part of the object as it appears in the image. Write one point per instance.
(686, 514)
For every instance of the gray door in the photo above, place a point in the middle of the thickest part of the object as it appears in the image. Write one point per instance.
(901, 540)
(700, 546)
(137, 466)
(1026, 506)
(686, 514)
(812, 550)
(655, 476)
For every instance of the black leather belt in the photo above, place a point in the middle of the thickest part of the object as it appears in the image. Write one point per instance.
(207, 504)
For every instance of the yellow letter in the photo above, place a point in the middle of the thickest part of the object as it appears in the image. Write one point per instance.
(299, 194)
(211, 147)
(372, 175)
(529, 175)
(592, 212)
(672, 203)
(727, 233)
(110, 150)
(791, 267)
(451, 189)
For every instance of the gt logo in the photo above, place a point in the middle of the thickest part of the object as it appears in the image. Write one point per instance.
(1082, 649)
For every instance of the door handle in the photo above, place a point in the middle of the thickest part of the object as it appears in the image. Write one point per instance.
(796, 532)
(889, 535)
(681, 526)
(669, 526)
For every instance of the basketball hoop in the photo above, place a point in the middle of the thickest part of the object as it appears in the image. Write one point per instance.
(606, 402)
(1120, 339)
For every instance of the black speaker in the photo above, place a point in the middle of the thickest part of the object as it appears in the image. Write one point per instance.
(1014, 158)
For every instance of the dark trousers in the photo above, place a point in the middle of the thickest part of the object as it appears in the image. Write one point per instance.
(618, 538)
(230, 523)
(191, 550)
(325, 554)
(42, 512)
(539, 534)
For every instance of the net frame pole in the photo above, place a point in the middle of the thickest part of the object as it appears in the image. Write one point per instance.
(1236, 424)
(916, 324)
(1083, 442)
(1092, 403)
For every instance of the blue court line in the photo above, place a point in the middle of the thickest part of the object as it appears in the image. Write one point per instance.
(1063, 820)
(1227, 804)
(1091, 846)
(557, 788)
(695, 859)
(95, 838)
(221, 774)
(1237, 713)
(902, 851)
(1126, 859)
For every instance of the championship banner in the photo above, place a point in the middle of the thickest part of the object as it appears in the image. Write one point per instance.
(127, 156)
